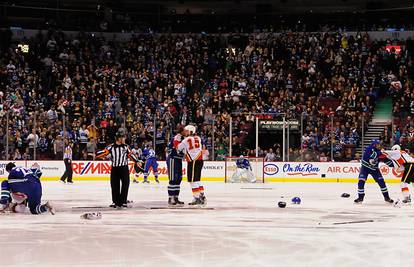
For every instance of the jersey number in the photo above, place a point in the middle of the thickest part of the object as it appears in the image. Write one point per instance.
(25, 172)
(196, 145)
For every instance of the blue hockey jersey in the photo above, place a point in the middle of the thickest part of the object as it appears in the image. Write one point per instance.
(371, 156)
(149, 153)
(17, 179)
(173, 145)
(243, 163)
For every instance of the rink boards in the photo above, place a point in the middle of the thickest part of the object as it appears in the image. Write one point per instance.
(215, 171)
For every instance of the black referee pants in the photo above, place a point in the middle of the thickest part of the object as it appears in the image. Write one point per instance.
(120, 185)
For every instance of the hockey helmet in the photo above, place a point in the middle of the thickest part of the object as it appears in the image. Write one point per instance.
(190, 128)
(10, 166)
(396, 147)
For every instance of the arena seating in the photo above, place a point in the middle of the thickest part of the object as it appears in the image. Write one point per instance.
(177, 79)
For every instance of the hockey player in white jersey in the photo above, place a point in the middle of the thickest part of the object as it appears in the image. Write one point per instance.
(192, 147)
(139, 165)
(243, 172)
(402, 161)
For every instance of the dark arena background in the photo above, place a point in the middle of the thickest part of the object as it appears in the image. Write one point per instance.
(223, 132)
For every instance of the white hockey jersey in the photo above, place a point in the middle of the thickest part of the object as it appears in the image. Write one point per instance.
(191, 146)
(398, 158)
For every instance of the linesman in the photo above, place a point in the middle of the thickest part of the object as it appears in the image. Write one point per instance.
(118, 153)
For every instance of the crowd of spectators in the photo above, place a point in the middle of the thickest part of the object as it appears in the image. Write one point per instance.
(85, 87)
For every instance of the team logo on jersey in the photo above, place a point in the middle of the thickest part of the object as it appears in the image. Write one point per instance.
(384, 169)
(398, 174)
(271, 169)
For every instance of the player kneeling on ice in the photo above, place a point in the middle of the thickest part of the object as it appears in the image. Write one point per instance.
(402, 161)
(243, 172)
(370, 160)
(23, 188)
(191, 146)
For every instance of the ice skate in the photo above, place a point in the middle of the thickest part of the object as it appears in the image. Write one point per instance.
(129, 204)
(359, 200)
(196, 201)
(172, 202)
(135, 181)
(178, 202)
(62, 181)
(389, 200)
(145, 181)
(407, 200)
(157, 181)
(112, 205)
(203, 199)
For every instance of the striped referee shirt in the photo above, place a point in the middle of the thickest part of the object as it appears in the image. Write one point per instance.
(68, 153)
(118, 154)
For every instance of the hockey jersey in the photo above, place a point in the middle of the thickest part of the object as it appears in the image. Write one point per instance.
(192, 147)
(173, 146)
(17, 175)
(243, 163)
(398, 158)
(371, 157)
(149, 153)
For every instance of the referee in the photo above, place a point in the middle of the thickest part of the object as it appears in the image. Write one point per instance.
(67, 159)
(119, 153)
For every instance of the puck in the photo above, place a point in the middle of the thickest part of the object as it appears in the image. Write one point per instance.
(345, 195)
(281, 204)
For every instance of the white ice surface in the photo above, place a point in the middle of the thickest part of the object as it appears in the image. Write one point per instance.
(246, 228)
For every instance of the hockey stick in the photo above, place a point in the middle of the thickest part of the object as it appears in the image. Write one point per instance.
(180, 208)
(259, 188)
(353, 222)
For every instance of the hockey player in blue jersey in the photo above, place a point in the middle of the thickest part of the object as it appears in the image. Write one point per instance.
(243, 163)
(243, 172)
(150, 162)
(369, 166)
(175, 168)
(23, 186)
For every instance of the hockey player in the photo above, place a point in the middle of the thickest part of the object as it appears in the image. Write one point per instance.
(243, 172)
(139, 164)
(370, 160)
(138, 168)
(175, 168)
(23, 186)
(402, 161)
(150, 162)
(191, 146)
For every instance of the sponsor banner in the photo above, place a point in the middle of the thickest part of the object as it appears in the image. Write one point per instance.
(278, 125)
(321, 171)
(100, 170)
(215, 171)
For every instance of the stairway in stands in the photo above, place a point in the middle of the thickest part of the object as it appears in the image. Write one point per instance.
(381, 118)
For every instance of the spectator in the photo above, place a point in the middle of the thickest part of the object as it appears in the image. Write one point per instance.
(270, 156)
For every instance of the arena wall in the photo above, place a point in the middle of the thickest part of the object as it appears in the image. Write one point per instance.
(215, 171)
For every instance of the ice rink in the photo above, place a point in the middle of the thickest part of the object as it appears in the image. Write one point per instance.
(241, 227)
